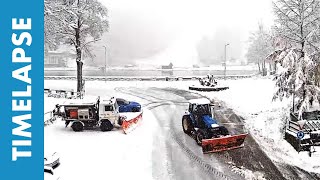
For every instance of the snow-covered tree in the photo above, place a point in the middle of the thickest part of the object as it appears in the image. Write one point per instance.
(296, 77)
(75, 22)
(260, 47)
(297, 27)
(298, 22)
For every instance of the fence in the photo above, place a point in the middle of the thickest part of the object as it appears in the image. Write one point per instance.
(67, 94)
(169, 78)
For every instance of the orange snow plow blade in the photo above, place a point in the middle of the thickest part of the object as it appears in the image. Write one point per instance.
(223, 143)
(129, 125)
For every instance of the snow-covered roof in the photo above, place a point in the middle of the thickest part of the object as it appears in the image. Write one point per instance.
(108, 101)
(199, 101)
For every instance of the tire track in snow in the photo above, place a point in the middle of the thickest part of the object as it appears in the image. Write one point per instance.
(206, 167)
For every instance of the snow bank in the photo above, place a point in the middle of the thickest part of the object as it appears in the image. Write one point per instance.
(93, 154)
(265, 119)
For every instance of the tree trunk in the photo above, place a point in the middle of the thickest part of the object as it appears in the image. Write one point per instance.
(79, 75)
(270, 67)
(259, 67)
(79, 58)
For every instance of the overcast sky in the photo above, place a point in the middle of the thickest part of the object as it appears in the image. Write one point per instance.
(168, 30)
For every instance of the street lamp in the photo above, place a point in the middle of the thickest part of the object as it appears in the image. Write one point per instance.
(225, 60)
(105, 62)
(105, 58)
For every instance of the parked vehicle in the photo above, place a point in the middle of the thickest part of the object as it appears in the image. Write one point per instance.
(52, 160)
(51, 163)
(303, 133)
(199, 123)
(49, 174)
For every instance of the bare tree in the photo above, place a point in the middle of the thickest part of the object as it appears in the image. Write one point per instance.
(260, 47)
(75, 22)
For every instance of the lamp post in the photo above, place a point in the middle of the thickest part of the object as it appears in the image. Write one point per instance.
(105, 62)
(105, 58)
(225, 60)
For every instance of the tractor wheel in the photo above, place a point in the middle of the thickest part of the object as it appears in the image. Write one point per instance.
(77, 126)
(106, 125)
(187, 125)
(224, 131)
(199, 137)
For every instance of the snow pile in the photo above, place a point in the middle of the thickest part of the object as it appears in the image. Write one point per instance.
(248, 174)
(265, 119)
(93, 154)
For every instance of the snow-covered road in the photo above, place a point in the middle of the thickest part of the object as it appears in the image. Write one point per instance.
(246, 163)
(158, 149)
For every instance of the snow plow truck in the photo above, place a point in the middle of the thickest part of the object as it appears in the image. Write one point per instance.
(199, 123)
(102, 113)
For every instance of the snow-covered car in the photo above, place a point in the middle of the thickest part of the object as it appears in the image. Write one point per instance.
(128, 106)
(49, 174)
(52, 160)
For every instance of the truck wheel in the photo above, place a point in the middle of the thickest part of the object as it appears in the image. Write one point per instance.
(187, 125)
(106, 125)
(77, 126)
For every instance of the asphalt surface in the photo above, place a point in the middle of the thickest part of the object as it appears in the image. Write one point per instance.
(177, 156)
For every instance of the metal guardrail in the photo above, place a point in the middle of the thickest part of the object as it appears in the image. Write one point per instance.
(67, 94)
(114, 78)
(293, 127)
(310, 126)
(311, 134)
(48, 118)
(111, 78)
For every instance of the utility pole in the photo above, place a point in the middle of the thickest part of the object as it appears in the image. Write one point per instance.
(225, 60)
(105, 62)
(105, 58)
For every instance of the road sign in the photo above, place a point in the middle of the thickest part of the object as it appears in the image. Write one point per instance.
(300, 135)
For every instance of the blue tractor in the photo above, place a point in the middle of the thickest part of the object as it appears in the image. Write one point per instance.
(199, 123)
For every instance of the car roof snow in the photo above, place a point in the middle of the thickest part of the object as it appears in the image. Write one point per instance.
(199, 101)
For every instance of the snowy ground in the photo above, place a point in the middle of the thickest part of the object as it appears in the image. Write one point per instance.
(93, 154)
(250, 98)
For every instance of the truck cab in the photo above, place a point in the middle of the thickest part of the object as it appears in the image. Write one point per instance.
(109, 109)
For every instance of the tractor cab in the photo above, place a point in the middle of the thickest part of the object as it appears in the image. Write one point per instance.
(200, 111)
(202, 105)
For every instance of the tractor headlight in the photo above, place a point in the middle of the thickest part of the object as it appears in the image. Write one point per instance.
(214, 125)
